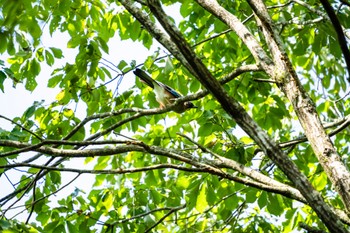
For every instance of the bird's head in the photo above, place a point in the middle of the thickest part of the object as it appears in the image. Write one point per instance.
(189, 105)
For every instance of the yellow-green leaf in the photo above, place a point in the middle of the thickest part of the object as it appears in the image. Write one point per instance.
(202, 203)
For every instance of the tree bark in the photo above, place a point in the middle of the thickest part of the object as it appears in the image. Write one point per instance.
(304, 107)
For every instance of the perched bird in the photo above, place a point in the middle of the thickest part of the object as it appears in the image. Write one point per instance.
(165, 95)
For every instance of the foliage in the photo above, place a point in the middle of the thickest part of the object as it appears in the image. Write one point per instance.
(152, 169)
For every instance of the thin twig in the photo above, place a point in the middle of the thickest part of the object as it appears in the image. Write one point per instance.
(165, 216)
(109, 171)
(23, 128)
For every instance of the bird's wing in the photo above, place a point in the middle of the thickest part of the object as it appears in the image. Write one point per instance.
(174, 93)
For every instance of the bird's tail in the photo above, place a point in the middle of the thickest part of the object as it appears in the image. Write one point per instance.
(144, 77)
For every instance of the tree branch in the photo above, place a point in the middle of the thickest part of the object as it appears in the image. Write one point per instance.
(144, 214)
(199, 166)
(342, 124)
(238, 27)
(264, 183)
(57, 143)
(109, 171)
(340, 34)
(233, 108)
(172, 210)
(316, 11)
(139, 113)
(223, 162)
(304, 107)
(23, 128)
(155, 31)
(310, 229)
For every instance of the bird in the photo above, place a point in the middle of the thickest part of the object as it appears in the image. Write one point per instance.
(165, 95)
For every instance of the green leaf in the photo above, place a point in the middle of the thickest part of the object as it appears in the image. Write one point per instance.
(74, 42)
(31, 84)
(2, 79)
(168, 66)
(186, 8)
(205, 130)
(29, 112)
(55, 177)
(122, 64)
(154, 178)
(262, 200)
(274, 206)
(52, 226)
(107, 200)
(251, 196)
(4, 224)
(96, 105)
(50, 60)
(72, 228)
(201, 203)
(182, 182)
(102, 44)
(102, 163)
(320, 181)
(3, 42)
(93, 68)
(211, 194)
(54, 80)
(123, 97)
(56, 52)
(63, 97)
(35, 67)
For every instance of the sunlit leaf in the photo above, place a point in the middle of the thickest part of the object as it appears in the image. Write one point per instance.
(201, 202)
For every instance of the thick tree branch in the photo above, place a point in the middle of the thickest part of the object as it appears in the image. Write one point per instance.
(154, 30)
(223, 162)
(263, 183)
(233, 108)
(141, 112)
(304, 107)
(57, 143)
(199, 166)
(310, 229)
